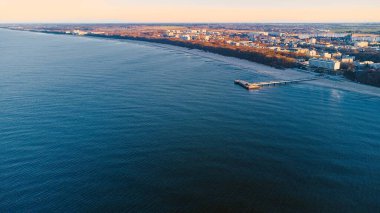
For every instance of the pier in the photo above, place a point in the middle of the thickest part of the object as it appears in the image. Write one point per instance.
(258, 85)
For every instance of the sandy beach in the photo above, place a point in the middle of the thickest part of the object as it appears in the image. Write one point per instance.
(335, 82)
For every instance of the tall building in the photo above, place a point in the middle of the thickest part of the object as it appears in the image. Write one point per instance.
(324, 63)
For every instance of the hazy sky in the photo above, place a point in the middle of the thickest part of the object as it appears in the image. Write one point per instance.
(189, 11)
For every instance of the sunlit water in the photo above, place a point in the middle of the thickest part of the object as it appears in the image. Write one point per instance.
(94, 124)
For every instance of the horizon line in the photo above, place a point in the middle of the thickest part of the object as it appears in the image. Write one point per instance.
(122, 22)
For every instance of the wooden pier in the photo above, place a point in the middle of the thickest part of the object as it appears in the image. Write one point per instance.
(258, 85)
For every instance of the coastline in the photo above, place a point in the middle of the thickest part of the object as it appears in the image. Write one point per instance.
(333, 82)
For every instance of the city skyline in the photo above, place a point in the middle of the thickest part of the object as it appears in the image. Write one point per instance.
(181, 11)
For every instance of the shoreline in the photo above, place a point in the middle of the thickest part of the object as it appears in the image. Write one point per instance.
(332, 82)
(339, 82)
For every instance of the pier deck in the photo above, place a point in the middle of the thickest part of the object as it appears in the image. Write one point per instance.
(258, 85)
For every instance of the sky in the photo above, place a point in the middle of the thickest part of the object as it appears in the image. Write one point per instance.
(151, 11)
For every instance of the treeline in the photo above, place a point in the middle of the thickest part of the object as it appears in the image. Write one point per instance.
(369, 77)
(262, 56)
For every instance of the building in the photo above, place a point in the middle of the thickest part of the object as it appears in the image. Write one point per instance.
(327, 55)
(79, 32)
(325, 64)
(364, 63)
(194, 37)
(312, 53)
(299, 50)
(303, 36)
(331, 35)
(169, 34)
(313, 41)
(361, 44)
(234, 43)
(337, 55)
(368, 64)
(348, 59)
(245, 43)
(277, 34)
(253, 35)
(185, 37)
(97, 33)
(365, 37)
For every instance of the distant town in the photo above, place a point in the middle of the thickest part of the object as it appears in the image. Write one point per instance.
(352, 50)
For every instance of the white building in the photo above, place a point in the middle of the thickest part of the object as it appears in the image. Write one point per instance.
(79, 32)
(325, 64)
(313, 41)
(312, 53)
(365, 37)
(348, 59)
(303, 36)
(185, 37)
(253, 35)
(369, 64)
(331, 35)
(245, 43)
(169, 34)
(192, 31)
(327, 55)
(277, 34)
(97, 33)
(361, 44)
(301, 50)
(363, 63)
(206, 38)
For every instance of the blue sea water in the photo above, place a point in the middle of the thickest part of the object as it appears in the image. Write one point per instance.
(106, 125)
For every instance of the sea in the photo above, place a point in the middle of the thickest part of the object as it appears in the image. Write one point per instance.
(102, 125)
